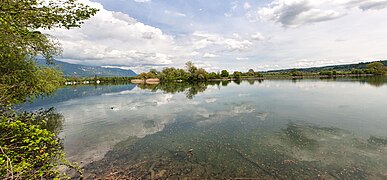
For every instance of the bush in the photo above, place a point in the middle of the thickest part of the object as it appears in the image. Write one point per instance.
(29, 145)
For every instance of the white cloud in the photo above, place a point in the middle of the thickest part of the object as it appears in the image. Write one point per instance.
(235, 45)
(194, 53)
(234, 5)
(258, 36)
(242, 58)
(227, 14)
(294, 13)
(204, 39)
(119, 67)
(114, 38)
(209, 55)
(246, 5)
(368, 4)
(207, 66)
(305, 63)
(314, 32)
(233, 8)
(236, 35)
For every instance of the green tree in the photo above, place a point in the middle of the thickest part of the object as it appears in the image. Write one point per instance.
(154, 71)
(357, 71)
(213, 75)
(377, 68)
(151, 75)
(191, 68)
(237, 74)
(201, 74)
(257, 74)
(326, 73)
(29, 145)
(28, 148)
(168, 74)
(21, 42)
(143, 75)
(295, 72)
(250, 72)
(182, 75)
(224, 73)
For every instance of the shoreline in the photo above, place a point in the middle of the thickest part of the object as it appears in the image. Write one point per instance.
(294, 77)
(135, 81)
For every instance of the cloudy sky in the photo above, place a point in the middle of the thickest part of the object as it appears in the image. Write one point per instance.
(228, 34)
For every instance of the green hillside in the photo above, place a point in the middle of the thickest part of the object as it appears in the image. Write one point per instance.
(345, 67)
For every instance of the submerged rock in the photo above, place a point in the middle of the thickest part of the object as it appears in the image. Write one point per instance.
(377, 141)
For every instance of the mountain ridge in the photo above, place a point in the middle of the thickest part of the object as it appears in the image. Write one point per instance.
(78, 70)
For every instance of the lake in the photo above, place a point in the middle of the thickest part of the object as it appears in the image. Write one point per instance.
(308, 128)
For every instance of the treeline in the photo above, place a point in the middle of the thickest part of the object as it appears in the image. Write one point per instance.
(346, 68)
(191, 73)
(97, 80)
(374, 68)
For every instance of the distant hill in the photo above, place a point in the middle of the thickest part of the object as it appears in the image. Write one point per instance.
(78, 70)
(345, 67)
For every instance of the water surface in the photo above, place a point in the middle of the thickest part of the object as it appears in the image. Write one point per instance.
(328, 128)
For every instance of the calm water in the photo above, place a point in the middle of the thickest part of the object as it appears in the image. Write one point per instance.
(270, 129)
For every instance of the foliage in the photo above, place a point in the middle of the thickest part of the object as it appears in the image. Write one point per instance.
(257, 74)
(213, 75)
(190, 67)
(224, 73)
(377, 68)
(30, 147)
(250, 72)
(173, 74)
(191, 73)
(200, 75)
(329, 73)
(21, 41)
(21, 79)
(21, 19)
(237, 74)
(148, 75)
(357, 71)
(296, 72)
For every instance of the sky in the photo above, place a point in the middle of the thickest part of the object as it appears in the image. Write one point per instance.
(236, 35)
